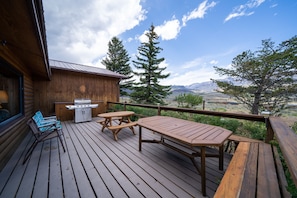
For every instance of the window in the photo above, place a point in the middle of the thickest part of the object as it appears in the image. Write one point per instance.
(11, 94)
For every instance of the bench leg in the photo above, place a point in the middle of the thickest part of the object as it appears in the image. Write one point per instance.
(132, 129)
(115, 134)
(203, 175)
(105, 124)
(227, 146)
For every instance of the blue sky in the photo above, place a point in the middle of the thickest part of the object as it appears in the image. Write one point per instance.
(195, 34)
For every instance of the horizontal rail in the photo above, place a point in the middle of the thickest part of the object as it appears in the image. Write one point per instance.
(251, 117)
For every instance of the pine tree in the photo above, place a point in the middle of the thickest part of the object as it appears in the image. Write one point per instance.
(148, 90)
(269, 75)
(117, 60)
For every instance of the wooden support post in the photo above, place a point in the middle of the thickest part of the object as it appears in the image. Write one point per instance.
(159, 109)
(269, 132)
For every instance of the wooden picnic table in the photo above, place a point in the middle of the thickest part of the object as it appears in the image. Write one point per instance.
(192, 135)
(124, 121)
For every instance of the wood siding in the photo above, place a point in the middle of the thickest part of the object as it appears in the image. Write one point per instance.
(51, 96)
(17, 129)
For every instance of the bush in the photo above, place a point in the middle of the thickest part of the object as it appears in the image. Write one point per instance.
(254, 130)
(226, 123)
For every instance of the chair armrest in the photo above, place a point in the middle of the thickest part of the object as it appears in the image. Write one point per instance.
(45, 124)
(50, 117)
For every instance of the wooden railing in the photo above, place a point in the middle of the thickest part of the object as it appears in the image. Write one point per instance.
(285, 136)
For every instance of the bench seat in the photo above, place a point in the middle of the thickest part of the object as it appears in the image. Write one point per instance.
(116, 128)
(236, 139)
(255, 170)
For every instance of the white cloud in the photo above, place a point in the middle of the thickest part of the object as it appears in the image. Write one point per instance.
(198, 12)
(193, 63)
(143, 38)
(79, 31)
(243, 10)
(169, 30)
(163, 64)
(199, 69)
(194, 76)
(214, 62)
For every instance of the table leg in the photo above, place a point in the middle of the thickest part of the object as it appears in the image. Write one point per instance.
(203, 175)
(221, 157)
(140, 137)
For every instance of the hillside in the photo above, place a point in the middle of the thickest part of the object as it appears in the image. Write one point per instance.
(205, 89)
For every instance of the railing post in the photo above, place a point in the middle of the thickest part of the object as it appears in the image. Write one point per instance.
(159, 109)
(125, 105)
(269, 132)
(203, 104)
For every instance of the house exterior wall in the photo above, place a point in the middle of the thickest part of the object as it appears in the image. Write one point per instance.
(16, 130)
(65, 86)
(23, 47)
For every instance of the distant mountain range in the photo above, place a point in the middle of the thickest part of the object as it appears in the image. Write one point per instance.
(204, 87)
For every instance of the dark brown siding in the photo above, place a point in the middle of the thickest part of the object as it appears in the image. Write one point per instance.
(11, 136)
(65, 86)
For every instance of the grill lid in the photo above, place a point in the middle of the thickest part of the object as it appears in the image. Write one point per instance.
(82, 101)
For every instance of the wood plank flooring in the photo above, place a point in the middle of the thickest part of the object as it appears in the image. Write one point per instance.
(94, 165)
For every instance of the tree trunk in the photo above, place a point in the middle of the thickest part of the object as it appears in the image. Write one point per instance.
(255, 107)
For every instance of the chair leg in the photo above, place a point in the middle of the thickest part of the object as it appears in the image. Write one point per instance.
(29, 152)
(60, 138)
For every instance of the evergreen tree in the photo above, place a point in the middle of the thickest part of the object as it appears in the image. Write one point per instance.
(117, 60)
(148, 90)
(269, 75)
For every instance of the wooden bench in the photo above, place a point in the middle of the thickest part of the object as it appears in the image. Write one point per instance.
(117, 128)
(286, 139)
(236, 139)
(255, 170)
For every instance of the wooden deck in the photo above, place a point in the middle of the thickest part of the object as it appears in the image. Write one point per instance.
(94, 165)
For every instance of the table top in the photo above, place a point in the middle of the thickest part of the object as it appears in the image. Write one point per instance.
(116, 114)
(188, 132)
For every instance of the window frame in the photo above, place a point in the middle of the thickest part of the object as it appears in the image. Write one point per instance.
(6, 123)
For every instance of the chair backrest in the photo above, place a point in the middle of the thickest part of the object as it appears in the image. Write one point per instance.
(33, 127)
(39, 114)
(39, 118)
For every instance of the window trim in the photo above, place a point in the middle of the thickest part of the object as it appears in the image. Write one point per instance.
(5, 124)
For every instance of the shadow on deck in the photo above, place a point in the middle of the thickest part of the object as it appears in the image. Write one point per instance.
(94, 165)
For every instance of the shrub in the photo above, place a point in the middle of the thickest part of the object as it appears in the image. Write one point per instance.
(255, 130)
(226, 123)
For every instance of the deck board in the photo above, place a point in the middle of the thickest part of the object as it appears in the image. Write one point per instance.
(94, 165)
